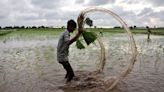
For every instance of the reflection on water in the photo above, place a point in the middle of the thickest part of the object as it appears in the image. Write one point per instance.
(31, 66)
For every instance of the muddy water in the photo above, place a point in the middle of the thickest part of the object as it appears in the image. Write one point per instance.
(31, 66)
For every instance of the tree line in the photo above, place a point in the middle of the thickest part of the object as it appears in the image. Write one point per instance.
(63, 27)
(23, 27)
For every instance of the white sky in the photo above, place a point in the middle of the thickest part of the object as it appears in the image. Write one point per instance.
(57, 12)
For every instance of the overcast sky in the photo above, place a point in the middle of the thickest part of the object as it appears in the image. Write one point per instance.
(57, 12)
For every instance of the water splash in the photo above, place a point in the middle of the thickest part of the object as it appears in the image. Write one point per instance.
(81, 19)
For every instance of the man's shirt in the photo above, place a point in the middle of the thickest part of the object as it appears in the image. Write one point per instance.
(63, 47)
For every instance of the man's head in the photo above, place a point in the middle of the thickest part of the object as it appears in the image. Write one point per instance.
(71, 25)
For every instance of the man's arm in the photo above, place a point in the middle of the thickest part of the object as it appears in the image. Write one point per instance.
(149, 30)
(74, 38)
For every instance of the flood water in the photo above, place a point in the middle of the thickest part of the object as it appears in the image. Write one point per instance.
(31, 65)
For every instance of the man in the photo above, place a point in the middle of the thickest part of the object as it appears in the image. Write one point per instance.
(63, 48)
(148, 32)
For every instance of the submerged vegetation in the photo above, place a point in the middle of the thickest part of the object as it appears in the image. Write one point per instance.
(57, 31)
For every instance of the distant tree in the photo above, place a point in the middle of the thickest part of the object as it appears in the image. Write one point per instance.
(41, 27)
(8, 27)
(34, 27)
(0, 27)
(117, 27)
(95, 26)
(131, 27)
(134, 26)
(16, 27)
(22, 27)
(28, 27)
(62, 27)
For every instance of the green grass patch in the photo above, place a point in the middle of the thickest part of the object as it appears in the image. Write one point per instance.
(56, 32)
(30, 33)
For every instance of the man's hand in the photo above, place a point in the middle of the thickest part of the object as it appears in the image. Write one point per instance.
(80, 30)
(76, 37)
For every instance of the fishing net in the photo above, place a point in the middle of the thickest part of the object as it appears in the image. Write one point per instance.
(102, 62)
